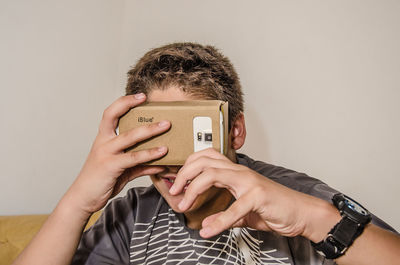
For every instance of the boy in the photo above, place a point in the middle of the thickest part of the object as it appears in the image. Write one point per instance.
(188, 215)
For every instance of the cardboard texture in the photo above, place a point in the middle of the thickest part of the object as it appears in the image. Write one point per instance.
(179, 138)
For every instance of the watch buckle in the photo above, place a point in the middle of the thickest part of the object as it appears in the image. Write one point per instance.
(333, 242)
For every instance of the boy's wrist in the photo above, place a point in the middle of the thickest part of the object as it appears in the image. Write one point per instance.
(321, 219)
(69, 207)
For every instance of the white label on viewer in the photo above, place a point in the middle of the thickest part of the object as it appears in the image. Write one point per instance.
(202, 133)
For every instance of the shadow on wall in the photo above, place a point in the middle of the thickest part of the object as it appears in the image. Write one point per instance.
(256, 145)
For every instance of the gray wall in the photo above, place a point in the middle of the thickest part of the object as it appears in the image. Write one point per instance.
(321, 83)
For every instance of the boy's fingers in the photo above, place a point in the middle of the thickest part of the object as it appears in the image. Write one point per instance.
(192, 170)
(133, 173)
(217, 177)
(139, 171)
(209, 219)
(228, 218)
(210, 152)
(136, 135)
(131, 159)
(118, 108)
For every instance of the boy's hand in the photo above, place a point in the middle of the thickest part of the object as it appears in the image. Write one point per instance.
(260, 202)
(108, 168)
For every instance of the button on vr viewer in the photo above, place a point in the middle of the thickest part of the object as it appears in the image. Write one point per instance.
(208, 137)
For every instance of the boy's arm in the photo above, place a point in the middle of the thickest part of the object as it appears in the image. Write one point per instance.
(106, 171)
(56, 241)
(269, 206)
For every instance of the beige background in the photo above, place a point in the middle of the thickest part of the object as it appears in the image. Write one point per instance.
(321, 82)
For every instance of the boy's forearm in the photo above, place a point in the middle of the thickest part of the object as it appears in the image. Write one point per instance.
(374, 246)
(106, 171)
(57, 240)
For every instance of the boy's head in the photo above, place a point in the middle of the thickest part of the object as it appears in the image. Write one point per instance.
(188, 71)
(199, 71)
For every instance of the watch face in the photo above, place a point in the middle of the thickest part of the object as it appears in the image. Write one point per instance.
(355, 206)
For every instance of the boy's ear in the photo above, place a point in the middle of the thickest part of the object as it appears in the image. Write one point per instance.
(237, 134)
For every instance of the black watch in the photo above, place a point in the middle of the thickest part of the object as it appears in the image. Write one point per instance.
(354, 218)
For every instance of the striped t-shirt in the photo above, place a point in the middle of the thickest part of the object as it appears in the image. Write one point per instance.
(141, 228)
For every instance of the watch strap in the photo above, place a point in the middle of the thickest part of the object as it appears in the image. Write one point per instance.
(339, 238)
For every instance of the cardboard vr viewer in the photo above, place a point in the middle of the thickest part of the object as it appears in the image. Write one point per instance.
(195, 125)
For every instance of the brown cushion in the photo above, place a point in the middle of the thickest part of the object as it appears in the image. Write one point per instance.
(17, 231)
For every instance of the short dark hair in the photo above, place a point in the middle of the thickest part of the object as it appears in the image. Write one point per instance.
(201, 71)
